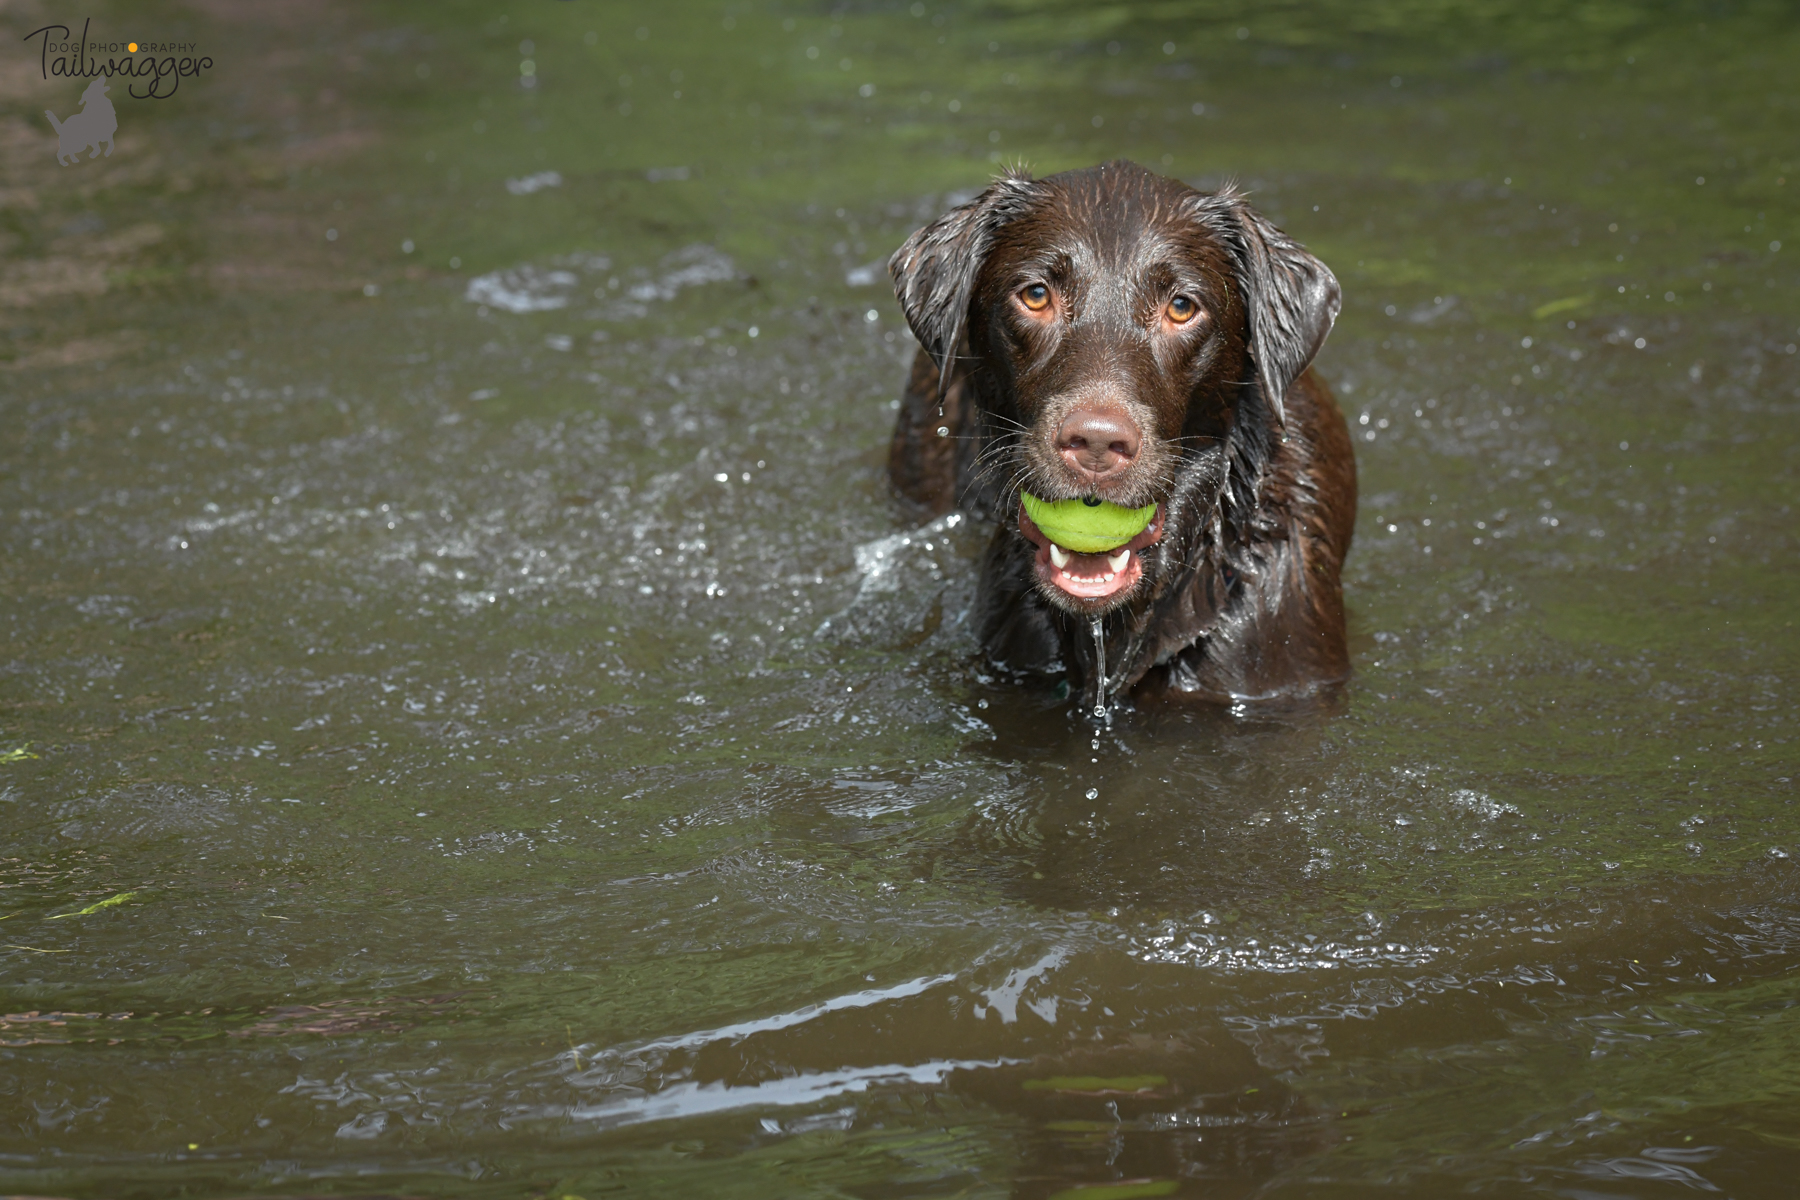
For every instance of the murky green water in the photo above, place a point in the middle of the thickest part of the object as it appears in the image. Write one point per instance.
(512, 785)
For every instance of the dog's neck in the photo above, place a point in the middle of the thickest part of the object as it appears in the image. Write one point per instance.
(1222, 517)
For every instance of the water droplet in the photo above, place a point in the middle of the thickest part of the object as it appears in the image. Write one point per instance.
(1093, 793)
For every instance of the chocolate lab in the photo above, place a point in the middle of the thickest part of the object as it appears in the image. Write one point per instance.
(1111, 335)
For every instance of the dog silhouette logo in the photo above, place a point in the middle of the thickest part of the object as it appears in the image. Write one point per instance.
(95, 123)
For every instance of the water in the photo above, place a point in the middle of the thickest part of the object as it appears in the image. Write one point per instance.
(461, 613)
(1102, 695)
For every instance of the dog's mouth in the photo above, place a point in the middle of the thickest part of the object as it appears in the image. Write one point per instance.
(1091, 579)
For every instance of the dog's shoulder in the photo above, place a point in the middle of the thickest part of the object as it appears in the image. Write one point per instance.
(1264, 618)
(1312, 477)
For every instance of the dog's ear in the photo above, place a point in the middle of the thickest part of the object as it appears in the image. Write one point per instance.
(1293, 298)
(934, 270)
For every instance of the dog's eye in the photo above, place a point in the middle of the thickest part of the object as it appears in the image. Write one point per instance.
(1036, 297)
(1182, 309)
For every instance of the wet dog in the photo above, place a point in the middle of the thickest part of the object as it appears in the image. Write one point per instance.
(1108, 334)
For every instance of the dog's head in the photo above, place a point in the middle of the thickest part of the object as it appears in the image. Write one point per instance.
(1121, 330)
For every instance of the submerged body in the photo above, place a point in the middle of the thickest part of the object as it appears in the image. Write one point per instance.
(1111, 335)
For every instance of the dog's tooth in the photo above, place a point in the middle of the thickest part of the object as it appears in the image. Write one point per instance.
(1059, 556)
(1117, 561)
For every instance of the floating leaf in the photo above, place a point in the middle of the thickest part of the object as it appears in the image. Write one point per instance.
(1096, 1083)
(1566, 304)
(95, 907)
(1127, 1189)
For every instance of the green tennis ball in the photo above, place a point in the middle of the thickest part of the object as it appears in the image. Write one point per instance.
(1087, 527)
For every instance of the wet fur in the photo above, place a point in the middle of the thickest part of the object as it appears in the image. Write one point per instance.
(1244, 447)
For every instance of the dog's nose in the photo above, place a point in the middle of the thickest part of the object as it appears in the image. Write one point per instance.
(1098, 443)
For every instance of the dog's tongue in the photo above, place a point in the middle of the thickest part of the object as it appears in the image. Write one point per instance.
(1089, 576)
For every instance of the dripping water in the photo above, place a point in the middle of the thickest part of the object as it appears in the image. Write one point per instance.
(1099, 632)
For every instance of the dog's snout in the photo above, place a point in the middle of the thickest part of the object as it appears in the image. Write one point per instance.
(1098, 442)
